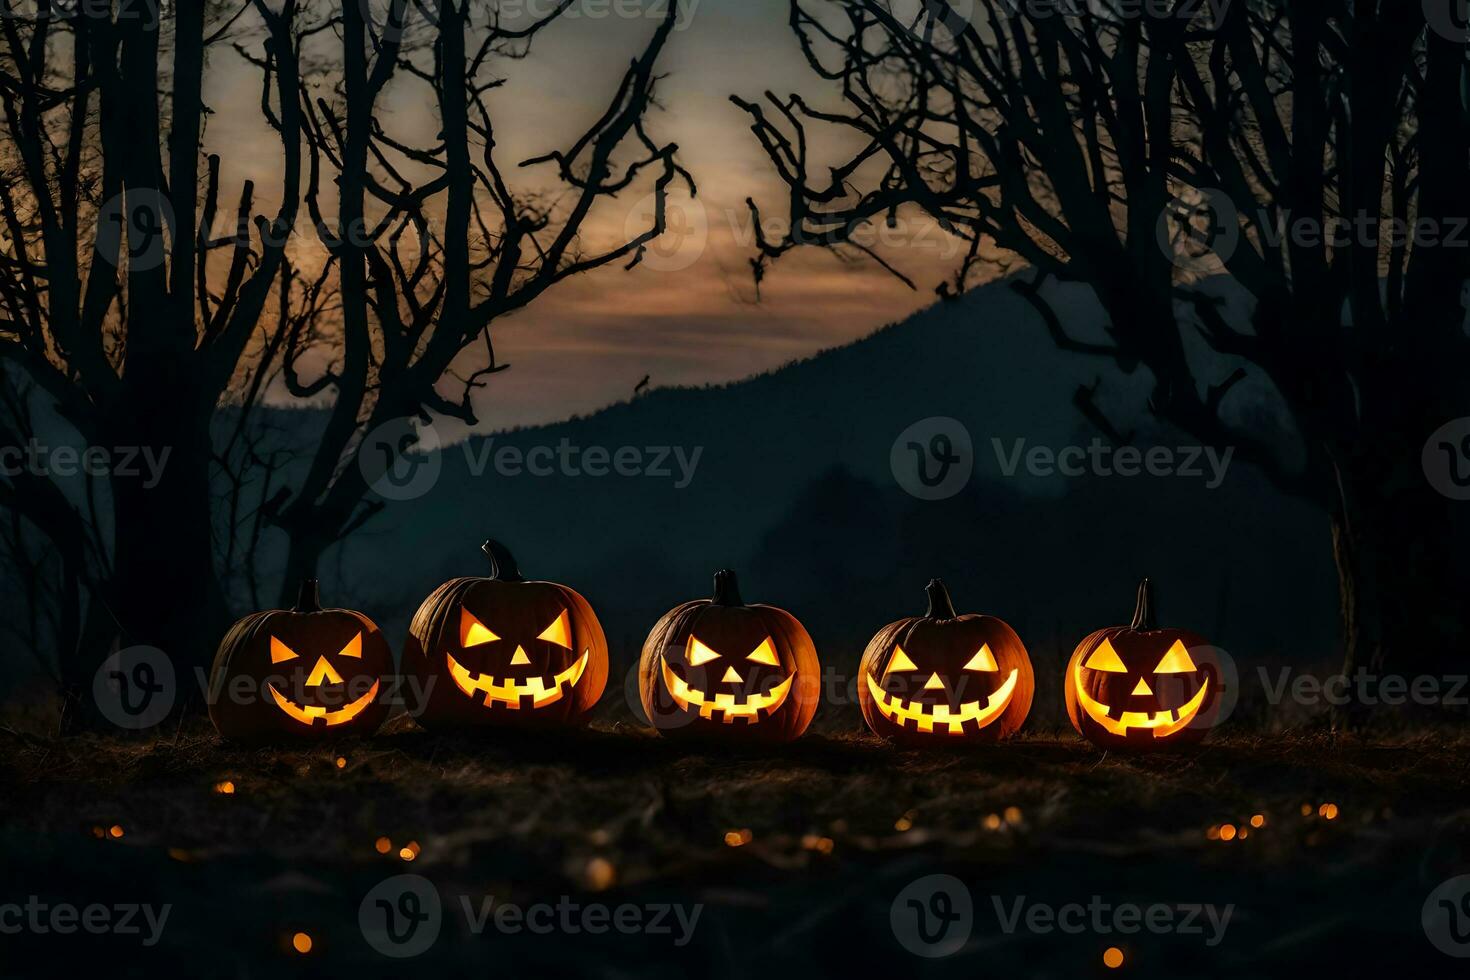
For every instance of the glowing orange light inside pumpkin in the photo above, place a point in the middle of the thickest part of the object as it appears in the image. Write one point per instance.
(559, 632)
(301, 942)
(472, 632)
(1112, 957)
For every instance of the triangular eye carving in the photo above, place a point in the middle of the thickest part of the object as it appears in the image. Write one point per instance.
(472, 632)
(1105, 658)
(765, 654)
(699, 653)
(1176, 661)
(983, 660)
(559, 632)
(353, 648)
(280, 652)
(900, 662)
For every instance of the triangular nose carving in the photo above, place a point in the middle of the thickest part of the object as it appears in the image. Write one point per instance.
(934, 683)
(730, 676)
(520, 657)
(1143, 687)
(323, 673)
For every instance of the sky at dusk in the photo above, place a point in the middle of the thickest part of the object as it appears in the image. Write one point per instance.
(689, 315)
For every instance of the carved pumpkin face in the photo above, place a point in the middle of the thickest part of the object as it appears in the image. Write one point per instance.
(943, 678)
(1141, 687)
(305, 672)
(719, 668)
(504, 651)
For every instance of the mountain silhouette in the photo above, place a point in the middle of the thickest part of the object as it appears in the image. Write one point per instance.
(792, 485)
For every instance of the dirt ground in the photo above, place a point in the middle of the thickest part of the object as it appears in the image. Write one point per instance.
(796, 857)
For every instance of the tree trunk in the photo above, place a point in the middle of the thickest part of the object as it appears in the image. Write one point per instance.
(163, 590)
(1398, 578)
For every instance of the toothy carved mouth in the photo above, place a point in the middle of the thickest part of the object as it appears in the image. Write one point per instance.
(941, 717)
(510, 691)
(748, 708)
(309, 714)
(1161, 723)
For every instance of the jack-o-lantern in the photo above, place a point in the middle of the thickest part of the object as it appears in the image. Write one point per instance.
(504, 652)
(1142, 687)
(718, 668)
(306, 672)
(943, 678)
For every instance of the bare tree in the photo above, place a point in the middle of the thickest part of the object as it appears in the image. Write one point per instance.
(428, 264)
(1069, 139)
(145, 327)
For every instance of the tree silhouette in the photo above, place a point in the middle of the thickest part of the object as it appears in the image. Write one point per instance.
(124, 306)
(1078, 141)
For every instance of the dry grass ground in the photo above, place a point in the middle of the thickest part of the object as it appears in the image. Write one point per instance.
(795, 854)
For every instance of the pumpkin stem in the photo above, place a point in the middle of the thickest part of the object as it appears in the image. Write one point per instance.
(503, 567)
(727, 589)
(940, 606)
(309, 599)
(1143, 612)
